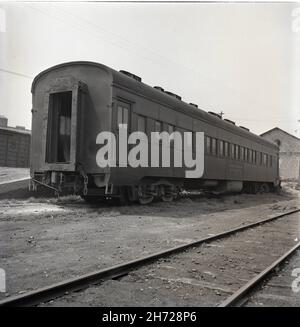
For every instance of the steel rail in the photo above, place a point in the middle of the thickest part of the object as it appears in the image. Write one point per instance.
(238, 298)
(84, 281)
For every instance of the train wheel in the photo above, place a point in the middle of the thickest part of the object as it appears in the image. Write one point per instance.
(145, 195)
(264, 188)
(167, 198)
(167, 193)
(146, 199)
(256, 188)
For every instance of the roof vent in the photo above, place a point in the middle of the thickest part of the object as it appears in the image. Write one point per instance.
(173, 95)
(245, 128)
(21, 127)
(194, 105)
(215, 114)
(159, 88)
(137, 78)
(230, 121)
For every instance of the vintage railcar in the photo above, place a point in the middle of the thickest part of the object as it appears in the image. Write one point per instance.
(73, 102)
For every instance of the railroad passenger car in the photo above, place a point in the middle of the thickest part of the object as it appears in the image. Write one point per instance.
(73, 102)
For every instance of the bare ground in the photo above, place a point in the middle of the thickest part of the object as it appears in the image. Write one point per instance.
(282, 289)
(43, 241)
(203, 276)
(8, 174)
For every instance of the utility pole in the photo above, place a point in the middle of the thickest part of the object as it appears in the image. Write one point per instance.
(221, 114)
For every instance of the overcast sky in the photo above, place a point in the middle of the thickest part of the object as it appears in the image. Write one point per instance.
(243, 59)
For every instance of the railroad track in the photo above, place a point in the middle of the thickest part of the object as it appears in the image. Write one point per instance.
(82, 282)
(241, 296)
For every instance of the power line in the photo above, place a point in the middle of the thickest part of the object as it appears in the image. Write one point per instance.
(15, 73)
(140, 50)
(125, 43)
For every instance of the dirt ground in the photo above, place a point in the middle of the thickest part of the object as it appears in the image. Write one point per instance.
(43, 241)
(8, 174)
(282, 289)
(202, 276)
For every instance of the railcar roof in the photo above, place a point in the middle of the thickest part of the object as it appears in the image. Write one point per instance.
(159, 96)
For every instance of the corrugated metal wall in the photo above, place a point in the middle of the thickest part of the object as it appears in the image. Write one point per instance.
(14, 149)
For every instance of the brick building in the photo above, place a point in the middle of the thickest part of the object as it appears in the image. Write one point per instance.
(14, 145)
(289, 153)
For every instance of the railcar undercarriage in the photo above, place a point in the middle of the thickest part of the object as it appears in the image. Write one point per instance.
(94, 188)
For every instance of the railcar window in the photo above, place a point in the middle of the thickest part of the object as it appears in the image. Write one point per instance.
(157, 126)
(141, 124)
(264, 159)
(208, 144)
(237, 152)
(214, 146)
(221, 148)
(189, 138)
(122, 116)
(231, 151)
(253, 156)
(226, 149)
(257, 157)
(171, 130)
(271, 161)
(242, 153)
(125, 115)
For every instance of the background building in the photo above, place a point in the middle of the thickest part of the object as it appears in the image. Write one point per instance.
(289, 153)
(14, 145)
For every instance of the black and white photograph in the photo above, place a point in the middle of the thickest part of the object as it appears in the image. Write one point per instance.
(149, 156)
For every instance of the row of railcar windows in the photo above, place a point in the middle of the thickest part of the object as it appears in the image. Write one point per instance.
(225, 149)
(213, 146)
